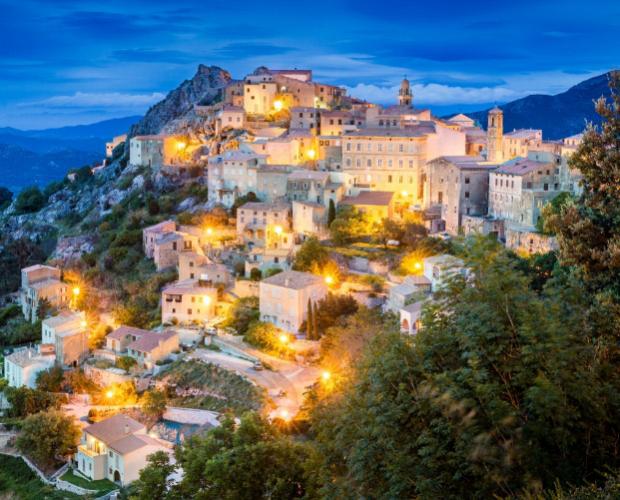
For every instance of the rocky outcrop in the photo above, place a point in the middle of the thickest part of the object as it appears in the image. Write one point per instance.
(204, 88)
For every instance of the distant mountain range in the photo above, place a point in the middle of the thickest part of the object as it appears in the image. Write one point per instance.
(558, 116)
(37, 157)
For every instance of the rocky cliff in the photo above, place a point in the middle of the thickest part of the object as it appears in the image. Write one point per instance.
(204, 88)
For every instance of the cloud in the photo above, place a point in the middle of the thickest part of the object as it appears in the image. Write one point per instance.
(249, 49)
(434, 93)
(154, 56)
(101, 100)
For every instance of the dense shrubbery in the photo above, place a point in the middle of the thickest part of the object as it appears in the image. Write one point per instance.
(30, 200)
(243, 312)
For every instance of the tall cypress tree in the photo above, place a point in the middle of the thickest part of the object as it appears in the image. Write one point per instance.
(315, 327)
(309, 322)
(331, 213)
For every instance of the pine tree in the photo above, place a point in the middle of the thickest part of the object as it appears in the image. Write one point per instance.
(331, 212)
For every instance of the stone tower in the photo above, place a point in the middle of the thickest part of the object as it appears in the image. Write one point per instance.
(405, 97)
(495, 135)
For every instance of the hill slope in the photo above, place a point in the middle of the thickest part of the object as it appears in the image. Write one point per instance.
(558, 115)
(41, 156)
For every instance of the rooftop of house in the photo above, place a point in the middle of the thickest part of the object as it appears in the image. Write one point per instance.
(336, 114)
(444, 260)
(420, 129)
(114, 429)
(299, 134)
(238, 155)
(171, 236)
(520, 166)
(294, 280)
(161, 227)
(414, 307)
(150, 340)
(63, 317)
(274, 169)
(151, 137)
(461, 118)
(299, 175)
(378, 198)
(264, 206)
(398, 110)
(123, 331)
(233, 108)
(38, 267)
(523, 133)
(29, 356)
(134, 442)
(189, 286)
(310, 204)
(468, 162)
(303, 109)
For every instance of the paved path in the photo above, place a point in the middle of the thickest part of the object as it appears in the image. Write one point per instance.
(288, 376)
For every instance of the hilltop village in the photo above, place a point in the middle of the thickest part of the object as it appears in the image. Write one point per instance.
(304, 205)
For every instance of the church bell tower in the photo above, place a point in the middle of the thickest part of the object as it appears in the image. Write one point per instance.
(405, 97)
(495, 135)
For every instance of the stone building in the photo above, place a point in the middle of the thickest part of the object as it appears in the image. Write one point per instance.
(284, 298)
(459, 185)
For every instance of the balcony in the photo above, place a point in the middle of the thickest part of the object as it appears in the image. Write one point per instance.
(88, 452)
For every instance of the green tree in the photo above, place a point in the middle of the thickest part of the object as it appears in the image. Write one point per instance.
(242, 200)
(251, 460)
(153, 403)
(309, 322)
(125, 363)
(44, 308)
(387, 230)
(332, 309)
(350, 224)
(50, 380)
(243, 312)
(331, 212)
(48, 437)
(256, 274)
(588, 230)
(30, 200)
(266, 336)
(6, 197)
(552, 210)
(153, 483)
(25, 401)
(311, 253)
(499, 384)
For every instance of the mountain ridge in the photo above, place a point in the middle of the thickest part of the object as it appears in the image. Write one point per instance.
(560, 115)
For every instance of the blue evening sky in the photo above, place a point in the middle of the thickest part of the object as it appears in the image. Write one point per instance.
(67, 62)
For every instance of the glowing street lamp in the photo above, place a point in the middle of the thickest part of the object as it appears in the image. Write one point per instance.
(76, 291)
(109, 394)
(284, 338)
(206, 300)
(181, 145)
(285, 415)
(405, 194)
(83, 324)
(209, 231)
(311, 154)
(278, 105)
(329, 280)
(417, 266)
(326, 376)
(278, 230)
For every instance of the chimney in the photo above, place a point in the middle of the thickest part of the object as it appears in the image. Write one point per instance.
(287, 282)
(126, 428)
